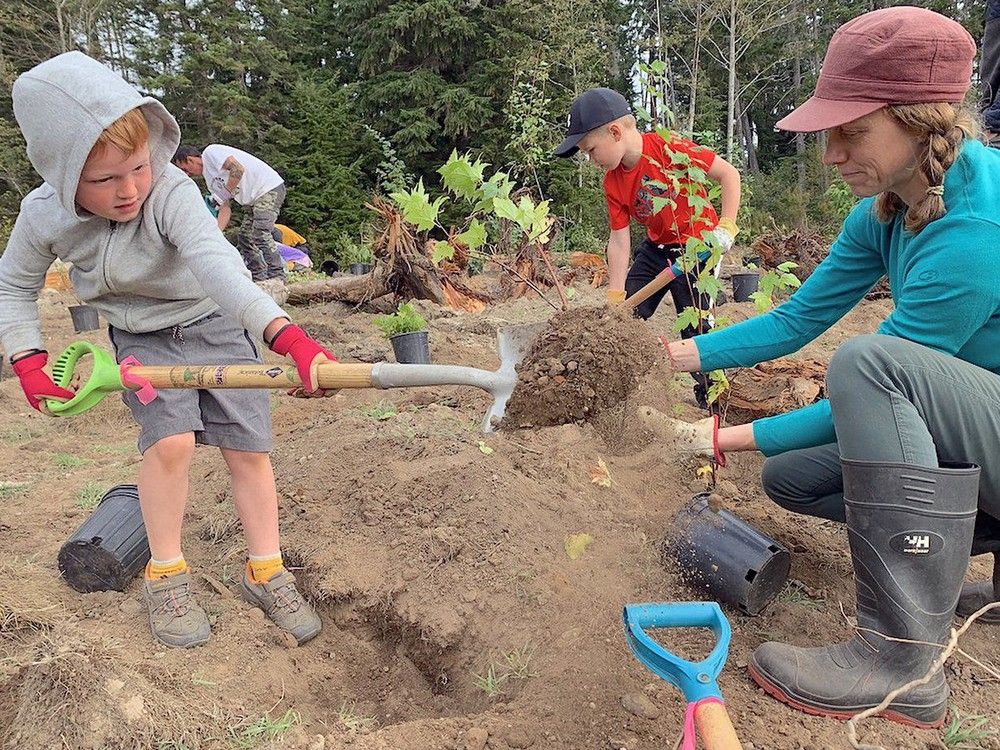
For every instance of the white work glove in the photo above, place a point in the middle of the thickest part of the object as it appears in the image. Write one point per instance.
(725, 234)
(699, 438)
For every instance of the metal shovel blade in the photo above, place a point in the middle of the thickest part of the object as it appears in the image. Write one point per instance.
(513, 344)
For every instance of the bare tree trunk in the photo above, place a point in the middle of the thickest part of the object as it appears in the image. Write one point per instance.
(731, 97)
(747, 130)
(693, 98)
(800, 138)
(821, 136)
(63, 33)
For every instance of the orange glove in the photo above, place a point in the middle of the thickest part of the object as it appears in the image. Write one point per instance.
(616, 296)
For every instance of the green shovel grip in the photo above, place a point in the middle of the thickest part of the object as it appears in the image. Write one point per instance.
(104, 379)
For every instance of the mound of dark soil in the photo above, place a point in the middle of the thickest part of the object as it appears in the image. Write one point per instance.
(586, 361)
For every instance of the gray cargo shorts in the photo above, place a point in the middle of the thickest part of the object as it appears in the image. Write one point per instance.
(228, 418)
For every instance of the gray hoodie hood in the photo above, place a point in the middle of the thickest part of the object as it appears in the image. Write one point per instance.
(73, 93)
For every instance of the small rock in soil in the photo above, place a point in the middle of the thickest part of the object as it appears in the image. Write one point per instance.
(475, 738)
(639, 705)
(519, 738)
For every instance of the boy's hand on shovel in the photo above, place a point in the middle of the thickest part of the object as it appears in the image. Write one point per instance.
(36, 382)
(291, 341)
(616, 296)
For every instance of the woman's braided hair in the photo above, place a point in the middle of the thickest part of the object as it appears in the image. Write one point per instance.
(942, 127)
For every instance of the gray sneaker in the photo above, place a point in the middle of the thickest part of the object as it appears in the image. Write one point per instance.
(283, 604)
(174, 616)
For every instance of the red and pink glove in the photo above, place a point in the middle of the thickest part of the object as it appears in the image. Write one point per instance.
(35, 382)
(291, 341)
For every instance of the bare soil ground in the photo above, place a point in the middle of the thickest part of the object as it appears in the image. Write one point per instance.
(454, 616)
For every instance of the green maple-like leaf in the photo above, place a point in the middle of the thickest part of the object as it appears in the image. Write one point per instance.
(661, 203)
(708, 284)
(689, 317)
(762, 300)
(462, 176)
(417, 208)
(474, 237)
(505, 208)
(442, 250)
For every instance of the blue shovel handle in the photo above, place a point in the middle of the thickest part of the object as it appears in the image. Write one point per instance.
(696, 680)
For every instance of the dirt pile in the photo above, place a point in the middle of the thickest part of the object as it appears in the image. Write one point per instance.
(585, 362)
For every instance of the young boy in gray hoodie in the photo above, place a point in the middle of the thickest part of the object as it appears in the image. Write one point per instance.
(148, 256)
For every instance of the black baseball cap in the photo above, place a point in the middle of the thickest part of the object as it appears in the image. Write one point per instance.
(593, 108)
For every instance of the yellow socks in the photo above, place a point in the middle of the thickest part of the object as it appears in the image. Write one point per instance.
(165, 568)
(263, 567)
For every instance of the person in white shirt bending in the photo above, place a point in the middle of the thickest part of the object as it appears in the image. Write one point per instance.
(231, 174)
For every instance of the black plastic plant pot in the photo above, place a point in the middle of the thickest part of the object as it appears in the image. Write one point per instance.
(721, 553)
(110, 548)
(329, 267)
(744, 284)
(411, 348)
(359, 269)
(84, 318)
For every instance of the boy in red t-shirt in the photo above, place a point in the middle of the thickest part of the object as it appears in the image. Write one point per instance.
(602, 126)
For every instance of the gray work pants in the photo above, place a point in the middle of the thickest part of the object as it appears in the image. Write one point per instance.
(895, 401)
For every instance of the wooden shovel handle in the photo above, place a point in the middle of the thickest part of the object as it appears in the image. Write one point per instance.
(715, 728)
(659, 281)
(331, 375)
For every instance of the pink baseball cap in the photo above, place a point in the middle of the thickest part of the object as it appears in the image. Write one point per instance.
(900, 55)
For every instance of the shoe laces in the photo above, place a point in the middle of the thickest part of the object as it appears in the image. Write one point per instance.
(177, 600)
(287, 597)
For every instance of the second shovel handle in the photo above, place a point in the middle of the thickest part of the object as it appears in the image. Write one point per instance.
(659, 281)
(715, 727)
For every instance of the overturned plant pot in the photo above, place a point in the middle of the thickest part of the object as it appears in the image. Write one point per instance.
(720, 553)
(84, 318)
(411, 348)
(359, 269)
(110, 548)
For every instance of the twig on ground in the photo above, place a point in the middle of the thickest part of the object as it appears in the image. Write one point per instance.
(555, 277)
(938, 663)
(531, 284)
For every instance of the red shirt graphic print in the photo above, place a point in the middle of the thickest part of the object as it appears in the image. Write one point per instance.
(630, 192)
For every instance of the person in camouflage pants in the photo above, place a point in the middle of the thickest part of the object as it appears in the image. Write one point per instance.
(255, 240)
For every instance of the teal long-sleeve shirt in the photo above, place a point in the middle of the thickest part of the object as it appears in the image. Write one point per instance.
(945, 283)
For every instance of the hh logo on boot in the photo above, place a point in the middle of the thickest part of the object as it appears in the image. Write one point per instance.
(917, 543)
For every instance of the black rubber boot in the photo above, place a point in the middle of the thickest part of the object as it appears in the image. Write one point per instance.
(910, 531)
(975, 596)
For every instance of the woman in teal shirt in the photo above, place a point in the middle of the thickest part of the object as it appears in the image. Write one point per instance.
(913, 410)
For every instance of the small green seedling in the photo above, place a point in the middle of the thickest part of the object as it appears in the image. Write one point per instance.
(265, 728)
(89, 496)
(967, 731)
(404, 320)
(491, 682)
(380, 412)
(353, 721)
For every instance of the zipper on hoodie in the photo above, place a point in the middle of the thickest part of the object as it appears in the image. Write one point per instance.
(112, 226)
